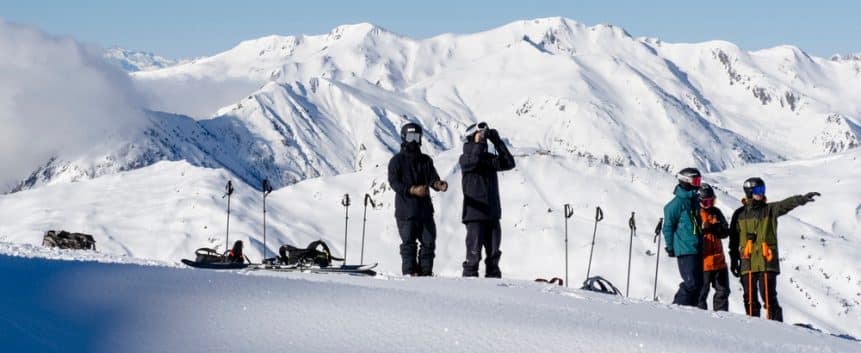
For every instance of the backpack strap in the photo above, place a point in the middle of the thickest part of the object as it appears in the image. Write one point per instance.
(601, 285)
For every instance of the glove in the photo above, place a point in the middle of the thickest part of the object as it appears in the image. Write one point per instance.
(440, 185)
(735, 267)
(810, 196)
(670, 252)
(492, 135)
(419, 191)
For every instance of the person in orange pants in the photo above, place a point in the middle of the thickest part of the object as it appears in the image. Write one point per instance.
(753, 246)
(715, 273)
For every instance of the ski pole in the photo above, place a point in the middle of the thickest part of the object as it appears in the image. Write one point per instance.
(267, 188)
(568, 213)
(368, 199)
(657, 257)
(599, 216)
(767, 306)
(346, 203)
(633, 225)
(228, 192)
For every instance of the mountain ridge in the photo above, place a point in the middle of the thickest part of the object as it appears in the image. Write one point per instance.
(564, 87)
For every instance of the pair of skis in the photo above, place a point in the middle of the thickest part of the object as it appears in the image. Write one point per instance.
(362, 269)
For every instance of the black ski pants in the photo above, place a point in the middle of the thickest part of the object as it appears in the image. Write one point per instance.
(719, 279)
(487, 235)
(691, 270)
(415, 261)
(766, 284)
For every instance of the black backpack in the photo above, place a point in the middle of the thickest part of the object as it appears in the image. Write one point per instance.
(317, 253)
(209, 256)
(66, 240)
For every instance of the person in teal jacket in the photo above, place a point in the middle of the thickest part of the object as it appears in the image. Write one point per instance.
(683, 235)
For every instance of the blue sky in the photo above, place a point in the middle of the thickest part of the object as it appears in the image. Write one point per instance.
(196, 27)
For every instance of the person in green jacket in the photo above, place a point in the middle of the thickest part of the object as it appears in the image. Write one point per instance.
(683, 235)
(753, 246)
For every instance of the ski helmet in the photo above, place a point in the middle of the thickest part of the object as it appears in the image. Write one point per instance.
(473, 129)
(690, 176)
(706, 192)
(707, 195)
(754, 186)
(411, 132)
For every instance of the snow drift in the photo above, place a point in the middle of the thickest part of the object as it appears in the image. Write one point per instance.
(91, 307)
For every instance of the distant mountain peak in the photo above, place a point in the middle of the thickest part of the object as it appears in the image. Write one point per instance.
(134, 61)
(846, 57)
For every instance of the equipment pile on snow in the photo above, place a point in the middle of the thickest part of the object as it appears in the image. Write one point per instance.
(66, 240)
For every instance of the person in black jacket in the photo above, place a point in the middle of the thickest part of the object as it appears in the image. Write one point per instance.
(411, 176)
(481, 205)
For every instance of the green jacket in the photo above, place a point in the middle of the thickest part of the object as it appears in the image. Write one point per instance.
(682, 223)
(758, 220)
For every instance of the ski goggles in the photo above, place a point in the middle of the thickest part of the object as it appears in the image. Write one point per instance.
(413, 137)
(707, 203)
(472, 129)
(693, 180)
(758, 190)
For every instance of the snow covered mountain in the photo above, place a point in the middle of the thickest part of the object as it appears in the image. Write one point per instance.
(330, 104)
(133, 61)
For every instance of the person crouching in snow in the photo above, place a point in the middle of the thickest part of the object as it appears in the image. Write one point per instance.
(753, 246)
(715, 227)
(683, 237)
(411, 174)
(481, 205)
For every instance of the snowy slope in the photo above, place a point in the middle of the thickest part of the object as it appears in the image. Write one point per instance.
(90, 307)
(165, 211)
(329, 104)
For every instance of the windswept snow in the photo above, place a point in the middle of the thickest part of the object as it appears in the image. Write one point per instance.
(59, 306)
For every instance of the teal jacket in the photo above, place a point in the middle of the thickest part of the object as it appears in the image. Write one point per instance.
(681, 223)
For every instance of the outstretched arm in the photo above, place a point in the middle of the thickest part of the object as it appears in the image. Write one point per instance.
(781, 208)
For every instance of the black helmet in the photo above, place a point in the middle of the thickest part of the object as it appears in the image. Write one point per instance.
(706, 192)
(411, 132)
(690, 177)
(753, 186)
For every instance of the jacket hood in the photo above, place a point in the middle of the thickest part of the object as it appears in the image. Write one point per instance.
(685, 194)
